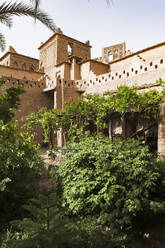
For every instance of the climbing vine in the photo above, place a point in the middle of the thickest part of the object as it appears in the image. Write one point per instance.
(92, 114)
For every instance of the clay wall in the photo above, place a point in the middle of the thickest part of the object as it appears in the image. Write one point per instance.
(92, 68)
(74, 70)
(22, 62)
(98, 68)
(67, 46)
(19, 61)
(6, 60)
(19, 73)
(67, 91)
(33, 99)
(127, 72)
(116, 51)
(138, 61)
(48, 56)
(63, 71)
(85, 70)
(57, 50)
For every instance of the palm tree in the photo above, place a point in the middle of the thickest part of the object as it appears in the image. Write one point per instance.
(8, 10)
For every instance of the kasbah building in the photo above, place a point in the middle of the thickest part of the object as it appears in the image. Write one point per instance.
(65, 71)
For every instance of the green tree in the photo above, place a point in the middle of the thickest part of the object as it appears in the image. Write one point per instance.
(49, 227)
(19, 161)
(8, 10)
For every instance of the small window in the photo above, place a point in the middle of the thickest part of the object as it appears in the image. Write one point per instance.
(119, 76)
(112, 78)
(145, 68)
(124, 72)
(116, 74)
(103, 78)
(151, 64)
(110, 57)
(161, 61)
(156, 66)
(70, 52)
(136, 72)
(127, 74)
(141, 67)
(132, 69)
(109, 75)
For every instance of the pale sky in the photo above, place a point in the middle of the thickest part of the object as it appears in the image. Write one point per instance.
(140, 23)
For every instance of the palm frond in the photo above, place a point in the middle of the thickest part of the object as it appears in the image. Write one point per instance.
(7, 20)
(36, 4)
(7, 10)
(2, 42)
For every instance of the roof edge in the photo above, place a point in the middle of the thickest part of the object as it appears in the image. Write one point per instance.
(137, 52)
(51, 37)
(18, 55)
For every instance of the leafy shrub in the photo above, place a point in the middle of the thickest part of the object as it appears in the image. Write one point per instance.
(117, 182)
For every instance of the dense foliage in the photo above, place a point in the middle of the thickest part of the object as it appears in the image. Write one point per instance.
(19, 162)
(109, 190)
(116, 181)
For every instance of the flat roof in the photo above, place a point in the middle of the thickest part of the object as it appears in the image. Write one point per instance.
(42, 45)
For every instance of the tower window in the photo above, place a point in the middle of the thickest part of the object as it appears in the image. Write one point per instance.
(110, 57)
(70, 50)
